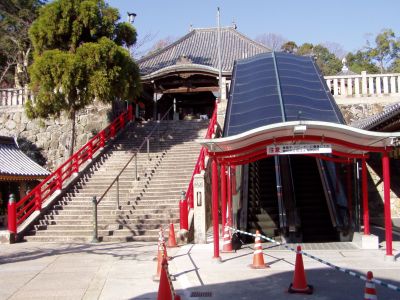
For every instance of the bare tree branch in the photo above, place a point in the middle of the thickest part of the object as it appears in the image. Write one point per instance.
(272, 40)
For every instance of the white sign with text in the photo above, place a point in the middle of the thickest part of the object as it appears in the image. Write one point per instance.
(284, 149)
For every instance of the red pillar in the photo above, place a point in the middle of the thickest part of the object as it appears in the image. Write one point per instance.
(365, 197)
(12, 215)
(223, 194)
(386, 191)
(229, 214)
(214, 191)
(349, 191)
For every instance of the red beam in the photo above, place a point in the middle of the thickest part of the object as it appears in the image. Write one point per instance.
(308, 138)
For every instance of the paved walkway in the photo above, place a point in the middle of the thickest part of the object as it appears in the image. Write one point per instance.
(124, 271)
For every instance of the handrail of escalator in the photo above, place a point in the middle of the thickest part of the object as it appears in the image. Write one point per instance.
(288, 194)
(296, 222)
(281, 207)
(327, 185)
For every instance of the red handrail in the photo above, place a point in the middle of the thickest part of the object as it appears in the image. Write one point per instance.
(199, 164)
(54, 182)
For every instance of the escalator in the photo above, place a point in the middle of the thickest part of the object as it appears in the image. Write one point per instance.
(311, 203)
(263, 212)
(296, 196)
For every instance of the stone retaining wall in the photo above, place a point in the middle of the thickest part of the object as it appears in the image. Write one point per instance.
(354, 112)
(51, 137)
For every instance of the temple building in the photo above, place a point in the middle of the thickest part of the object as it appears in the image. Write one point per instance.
(186, 73)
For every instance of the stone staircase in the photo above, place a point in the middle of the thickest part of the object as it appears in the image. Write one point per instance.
(144, 204)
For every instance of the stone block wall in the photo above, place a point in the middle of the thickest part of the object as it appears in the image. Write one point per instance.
(52, 136)
(354, 112)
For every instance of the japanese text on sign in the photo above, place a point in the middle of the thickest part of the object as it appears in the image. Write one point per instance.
(299, 149)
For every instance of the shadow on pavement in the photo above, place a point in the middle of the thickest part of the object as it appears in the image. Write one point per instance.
(328, 284)
(119, 250)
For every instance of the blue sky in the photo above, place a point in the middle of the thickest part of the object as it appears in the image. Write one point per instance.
(346, 22)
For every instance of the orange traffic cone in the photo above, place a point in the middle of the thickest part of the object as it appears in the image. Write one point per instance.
(299, 284)
(166, 289)
(227, 244)
(171, 237)
(258, 257)
(370, 291)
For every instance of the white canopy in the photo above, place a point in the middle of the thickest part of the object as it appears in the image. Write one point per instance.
(343, 138)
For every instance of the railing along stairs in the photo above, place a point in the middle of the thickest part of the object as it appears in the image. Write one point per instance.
(187, 201)
(21, 213)
(116, 179)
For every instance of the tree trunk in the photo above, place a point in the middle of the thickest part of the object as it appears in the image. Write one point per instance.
(71, 146)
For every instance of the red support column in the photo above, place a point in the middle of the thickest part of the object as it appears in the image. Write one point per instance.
(386, 191)
(214, 190)
(365, 197)
(349, 192)
(12, 215)
(223, 195)
(229, 204)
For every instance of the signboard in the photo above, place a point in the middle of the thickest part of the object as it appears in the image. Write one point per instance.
(285, 149)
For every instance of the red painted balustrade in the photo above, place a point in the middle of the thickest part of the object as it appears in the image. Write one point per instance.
(188, 203)
(54, 182)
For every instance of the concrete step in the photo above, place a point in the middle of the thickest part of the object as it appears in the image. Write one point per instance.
(112, 221)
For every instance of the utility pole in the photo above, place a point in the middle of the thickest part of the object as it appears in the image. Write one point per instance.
(219, 56)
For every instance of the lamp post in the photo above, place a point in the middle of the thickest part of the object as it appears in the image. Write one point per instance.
(131, 17)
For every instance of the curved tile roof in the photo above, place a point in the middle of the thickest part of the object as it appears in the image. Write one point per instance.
(200, 47)
(13, 162)
(373, 122)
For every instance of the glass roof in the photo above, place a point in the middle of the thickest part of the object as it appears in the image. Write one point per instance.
(277, 87)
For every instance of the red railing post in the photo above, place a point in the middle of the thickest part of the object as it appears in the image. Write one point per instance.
(122, 120)
(130, 112)
(75, 163)
(102, 139)
(38, 199)
(90, 150)
(183, 212)
(12, 215)
(112, 130)
(59, 179)
(202, 157)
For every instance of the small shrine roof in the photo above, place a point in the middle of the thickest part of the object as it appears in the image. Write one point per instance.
(15, 165)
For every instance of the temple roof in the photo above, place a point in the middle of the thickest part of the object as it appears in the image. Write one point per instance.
(14, 163)
(199, 47)
(387, 120)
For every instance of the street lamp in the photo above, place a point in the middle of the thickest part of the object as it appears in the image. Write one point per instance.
(131, 17)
